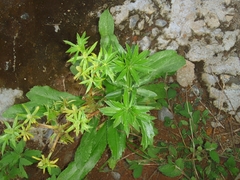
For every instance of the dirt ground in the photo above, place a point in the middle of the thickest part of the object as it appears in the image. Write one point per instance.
(33, 53)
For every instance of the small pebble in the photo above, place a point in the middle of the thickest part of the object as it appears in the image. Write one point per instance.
(155, 32)
(116, 175)
(145, 43)
(24, 16)
(160, 22)
(133, 21)
(163, 113)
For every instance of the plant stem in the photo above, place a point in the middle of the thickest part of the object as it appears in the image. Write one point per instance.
(45, 126)
(192, 140)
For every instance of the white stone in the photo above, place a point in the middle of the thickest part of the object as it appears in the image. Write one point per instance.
(133, 21)
(7, 99)
(121, 12)
(209, 79)
(163, 113)
(229, 39)
(200, 50)
(229, 18)
(160, 23)
(162, 42)
(229, 66)
(227, 99)
(217, 33)
(215, 7)
(227, 2)
(212, 20)
(216, 124)
(116, 175)
(237, 117)
(149, 20)
(173, 45)
(145, 43)
(186, 75)
(165, 9)
(182, 14)
(225, 78)
(198, 27)
(212, 61)
(141, 24)
(56, 28)
(155, 31)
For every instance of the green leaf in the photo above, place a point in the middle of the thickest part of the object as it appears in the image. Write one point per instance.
(172, 151)
(20, 147)
(14, 110)
(6, 159)
(136, 167)
(231, 166)
(21, 172)
(106, 30)
(44, 95)
(184, 122)
(106, 24)
(153, 151)
(162, 63)
(146, 93)
(168, 122)
(171, 93)
(29, 153)
(41, 96)
(214, 156)
(210, 146)
(196, 117)
(158, 89)
(230, 162)
(185, 111)
(113, 108)
(55, 171)
(88, 153)
(147, 133)
(170, 170)
(208, 170)
(180, 163)
(116, 141)
(25, 162)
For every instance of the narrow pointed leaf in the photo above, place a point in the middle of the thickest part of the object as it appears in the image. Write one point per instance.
(81, 165)
(116, 141)
(146, 92)
(147, 133)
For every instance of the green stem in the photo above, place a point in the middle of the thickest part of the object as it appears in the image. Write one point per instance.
(144, 155)
(192, 140)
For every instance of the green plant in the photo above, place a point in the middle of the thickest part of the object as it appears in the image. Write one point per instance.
(15, 159)
(124, 79)
(44, 110)
(121, 90)
(195, 156)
